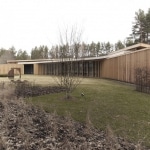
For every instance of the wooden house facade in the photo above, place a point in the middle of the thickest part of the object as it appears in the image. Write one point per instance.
(119, 65)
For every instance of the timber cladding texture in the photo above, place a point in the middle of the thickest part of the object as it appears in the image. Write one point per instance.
(5, 68)
(123, 67)
(36, 69)
(117, 66)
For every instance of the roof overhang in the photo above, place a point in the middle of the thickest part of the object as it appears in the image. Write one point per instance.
(64, 60)
(127, 50)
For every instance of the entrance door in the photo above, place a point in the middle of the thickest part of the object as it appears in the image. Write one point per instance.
(28, 69)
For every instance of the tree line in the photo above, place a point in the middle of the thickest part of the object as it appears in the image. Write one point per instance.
(78, 50)
(140, 33)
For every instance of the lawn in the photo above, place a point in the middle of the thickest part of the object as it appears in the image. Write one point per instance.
(105, 103)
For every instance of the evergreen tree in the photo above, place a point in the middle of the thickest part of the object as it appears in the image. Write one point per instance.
(139, 27)
(108, 47)
(41, 52)
(98, 49)
(119, 45)
(148, 27)
(22, 55)
(92, 49)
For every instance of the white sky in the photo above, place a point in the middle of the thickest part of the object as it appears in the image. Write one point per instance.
(25, 24)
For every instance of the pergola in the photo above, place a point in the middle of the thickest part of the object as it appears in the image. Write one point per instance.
(11, 72)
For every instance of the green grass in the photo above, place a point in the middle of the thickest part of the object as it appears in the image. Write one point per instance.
(105, 103)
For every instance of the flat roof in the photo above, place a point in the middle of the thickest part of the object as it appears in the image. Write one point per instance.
(127, 50)
(31, 60)
(133, 47)
(59, 60)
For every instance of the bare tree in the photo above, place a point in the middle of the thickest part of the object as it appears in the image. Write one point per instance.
(70, 45)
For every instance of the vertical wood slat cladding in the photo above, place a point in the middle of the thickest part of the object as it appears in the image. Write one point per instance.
(118, 68)
(5, 68)
(36, 69)
(123, 67)
(148, 59)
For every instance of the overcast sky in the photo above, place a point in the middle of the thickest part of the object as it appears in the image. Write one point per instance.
(25, 24)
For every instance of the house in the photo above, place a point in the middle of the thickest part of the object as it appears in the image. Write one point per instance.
(119, 65)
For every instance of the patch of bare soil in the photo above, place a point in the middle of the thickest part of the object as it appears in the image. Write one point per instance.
(25, 127)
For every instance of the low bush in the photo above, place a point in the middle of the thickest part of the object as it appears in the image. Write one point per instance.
(26, 89)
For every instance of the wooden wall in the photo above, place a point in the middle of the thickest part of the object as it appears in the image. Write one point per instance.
(36, 69)
(123, 67)
(120, 68)
(4, 68)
